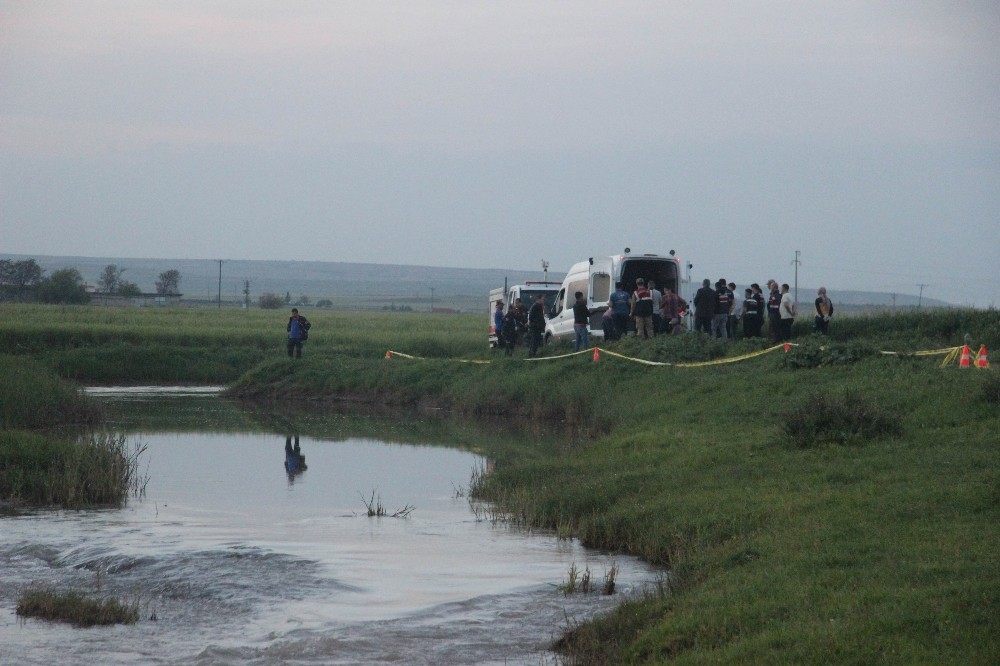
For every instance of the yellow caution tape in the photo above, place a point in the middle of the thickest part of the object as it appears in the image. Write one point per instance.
(390, 354)
(950, 352)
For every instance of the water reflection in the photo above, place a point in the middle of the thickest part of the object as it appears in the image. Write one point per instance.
(295, 461)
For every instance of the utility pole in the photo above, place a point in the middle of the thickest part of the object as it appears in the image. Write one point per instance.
(246, 294)
(220, 282)
(797, 263)
(432, 299)
(920, 298)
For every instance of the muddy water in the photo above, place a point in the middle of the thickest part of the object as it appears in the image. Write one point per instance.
(242, 558)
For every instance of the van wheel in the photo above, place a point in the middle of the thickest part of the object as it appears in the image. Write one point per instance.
(548, 339)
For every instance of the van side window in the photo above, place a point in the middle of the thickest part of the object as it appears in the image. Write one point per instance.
(558, 305)
(600, 287)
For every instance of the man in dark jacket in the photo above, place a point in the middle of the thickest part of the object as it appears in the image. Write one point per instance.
(536, 324)
(704, 307)
(581, 322)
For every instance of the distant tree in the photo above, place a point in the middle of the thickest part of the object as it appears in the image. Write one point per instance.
(111, 279)
(288, 297)
(19, 278)
(270, 301)
(324, 303)
(304, 300)
(169, 282)
(64, 286)
(128, 289)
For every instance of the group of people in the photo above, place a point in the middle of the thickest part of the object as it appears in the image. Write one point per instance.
(718, 312)
(517, 322)
(654, 312)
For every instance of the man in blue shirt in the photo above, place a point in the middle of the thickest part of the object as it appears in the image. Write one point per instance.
(619, 306)
(298, 331)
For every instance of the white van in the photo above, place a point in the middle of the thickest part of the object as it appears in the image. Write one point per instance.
(596, 278)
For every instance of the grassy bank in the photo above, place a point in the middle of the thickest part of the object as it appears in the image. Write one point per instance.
(41, 464)
(829, 505)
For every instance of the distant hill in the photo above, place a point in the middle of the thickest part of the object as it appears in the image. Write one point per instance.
(364, 286)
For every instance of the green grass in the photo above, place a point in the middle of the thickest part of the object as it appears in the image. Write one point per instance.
(186, 345)
(32, 396)
(74, 607)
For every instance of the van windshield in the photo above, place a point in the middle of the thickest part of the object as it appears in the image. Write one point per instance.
(528, 297)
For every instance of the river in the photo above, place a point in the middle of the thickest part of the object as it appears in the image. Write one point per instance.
(234, 557)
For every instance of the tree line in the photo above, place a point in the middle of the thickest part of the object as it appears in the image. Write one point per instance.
(26, 281)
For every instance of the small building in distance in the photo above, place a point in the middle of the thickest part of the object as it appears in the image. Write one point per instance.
(143, 300)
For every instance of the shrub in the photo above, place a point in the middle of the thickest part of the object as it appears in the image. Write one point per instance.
(817, 350)
(270, 301)
(991, 387)
(850, 417)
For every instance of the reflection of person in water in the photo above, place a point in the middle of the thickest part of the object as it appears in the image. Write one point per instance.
(295, 462)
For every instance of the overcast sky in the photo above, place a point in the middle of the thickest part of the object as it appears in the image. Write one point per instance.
(497, 134)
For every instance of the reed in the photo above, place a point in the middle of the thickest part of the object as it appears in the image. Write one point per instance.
(375, 508)
(91, 470)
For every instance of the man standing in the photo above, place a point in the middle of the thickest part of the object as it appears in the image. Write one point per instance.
(787, 309)
(618, 304)
(657, 303)
(581, 322)
(498, 323)
(750, 313)
(734, 310)
(298, 331)
(774, 311)
(642, 308)
(723, 301)
(824, 310)
(510, 327)
(704, 304)
(536, 324)
(670, 310)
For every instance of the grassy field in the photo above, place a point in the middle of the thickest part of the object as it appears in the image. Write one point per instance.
(832, 504)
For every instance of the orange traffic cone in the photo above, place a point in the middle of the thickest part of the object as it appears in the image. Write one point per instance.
(981, 360)
(388, 354)
(787, 347)
(964, 361)
(597, 355)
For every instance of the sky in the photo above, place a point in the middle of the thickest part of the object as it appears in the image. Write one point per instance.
(864, 136)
